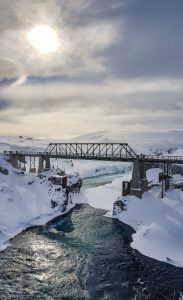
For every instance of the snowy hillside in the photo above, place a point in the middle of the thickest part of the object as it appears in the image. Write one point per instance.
(141, 141)
(26, 200)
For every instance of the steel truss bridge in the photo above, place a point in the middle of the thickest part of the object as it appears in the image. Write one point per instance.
(96, 151)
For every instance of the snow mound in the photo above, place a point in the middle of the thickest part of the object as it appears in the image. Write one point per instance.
(158, 224)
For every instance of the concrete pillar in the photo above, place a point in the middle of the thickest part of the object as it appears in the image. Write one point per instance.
(139, 183)
(142, 170)
(135, 184)
(40, 164)
(167, 184)
(47, 160)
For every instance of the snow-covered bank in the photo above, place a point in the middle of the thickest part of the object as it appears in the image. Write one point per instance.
(158, 222)
(25, 200)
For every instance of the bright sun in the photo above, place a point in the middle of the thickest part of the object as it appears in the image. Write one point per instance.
(43, 38)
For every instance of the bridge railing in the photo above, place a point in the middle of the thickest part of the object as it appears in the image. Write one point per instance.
(23, 153)
(170, 158)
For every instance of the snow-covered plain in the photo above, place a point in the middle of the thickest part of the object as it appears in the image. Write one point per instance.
(158, 222)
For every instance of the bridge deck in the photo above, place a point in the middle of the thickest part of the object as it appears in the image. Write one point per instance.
(96, 151)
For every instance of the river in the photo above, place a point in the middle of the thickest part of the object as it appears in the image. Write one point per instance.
(83, 255)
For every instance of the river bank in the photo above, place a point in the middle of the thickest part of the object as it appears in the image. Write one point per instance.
(157, 222)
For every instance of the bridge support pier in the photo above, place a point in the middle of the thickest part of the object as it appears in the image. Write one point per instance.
(32, 168)
(139, 183)
(14, 161)
(40, 164)
(22, 161)
(44, 164)
(47, 163)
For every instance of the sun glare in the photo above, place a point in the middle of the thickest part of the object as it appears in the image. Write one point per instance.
(43, 38)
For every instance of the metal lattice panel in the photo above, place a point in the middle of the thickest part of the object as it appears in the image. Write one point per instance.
(113, 151)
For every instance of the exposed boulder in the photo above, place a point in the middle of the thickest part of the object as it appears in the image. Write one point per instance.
(19, 172)
(3, 171)
(53, 204)
(41, 176)
(119, 205)
(5, 189)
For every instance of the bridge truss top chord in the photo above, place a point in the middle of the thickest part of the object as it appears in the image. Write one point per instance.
(98, 151)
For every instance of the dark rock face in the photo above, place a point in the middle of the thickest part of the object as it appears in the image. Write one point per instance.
(177, 169)
(19, 172)
(41, 176)
(118, 206)
(53, 204)
(31, 182)
(3, 171)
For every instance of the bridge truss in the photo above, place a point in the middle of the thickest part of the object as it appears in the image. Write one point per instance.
(98, 151)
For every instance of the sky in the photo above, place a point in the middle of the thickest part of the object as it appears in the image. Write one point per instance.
(115, 65)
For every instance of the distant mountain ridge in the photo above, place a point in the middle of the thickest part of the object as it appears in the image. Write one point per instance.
(142, 141)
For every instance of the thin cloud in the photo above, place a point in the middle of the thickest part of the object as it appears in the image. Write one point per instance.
(81, 47)
(119, 64)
